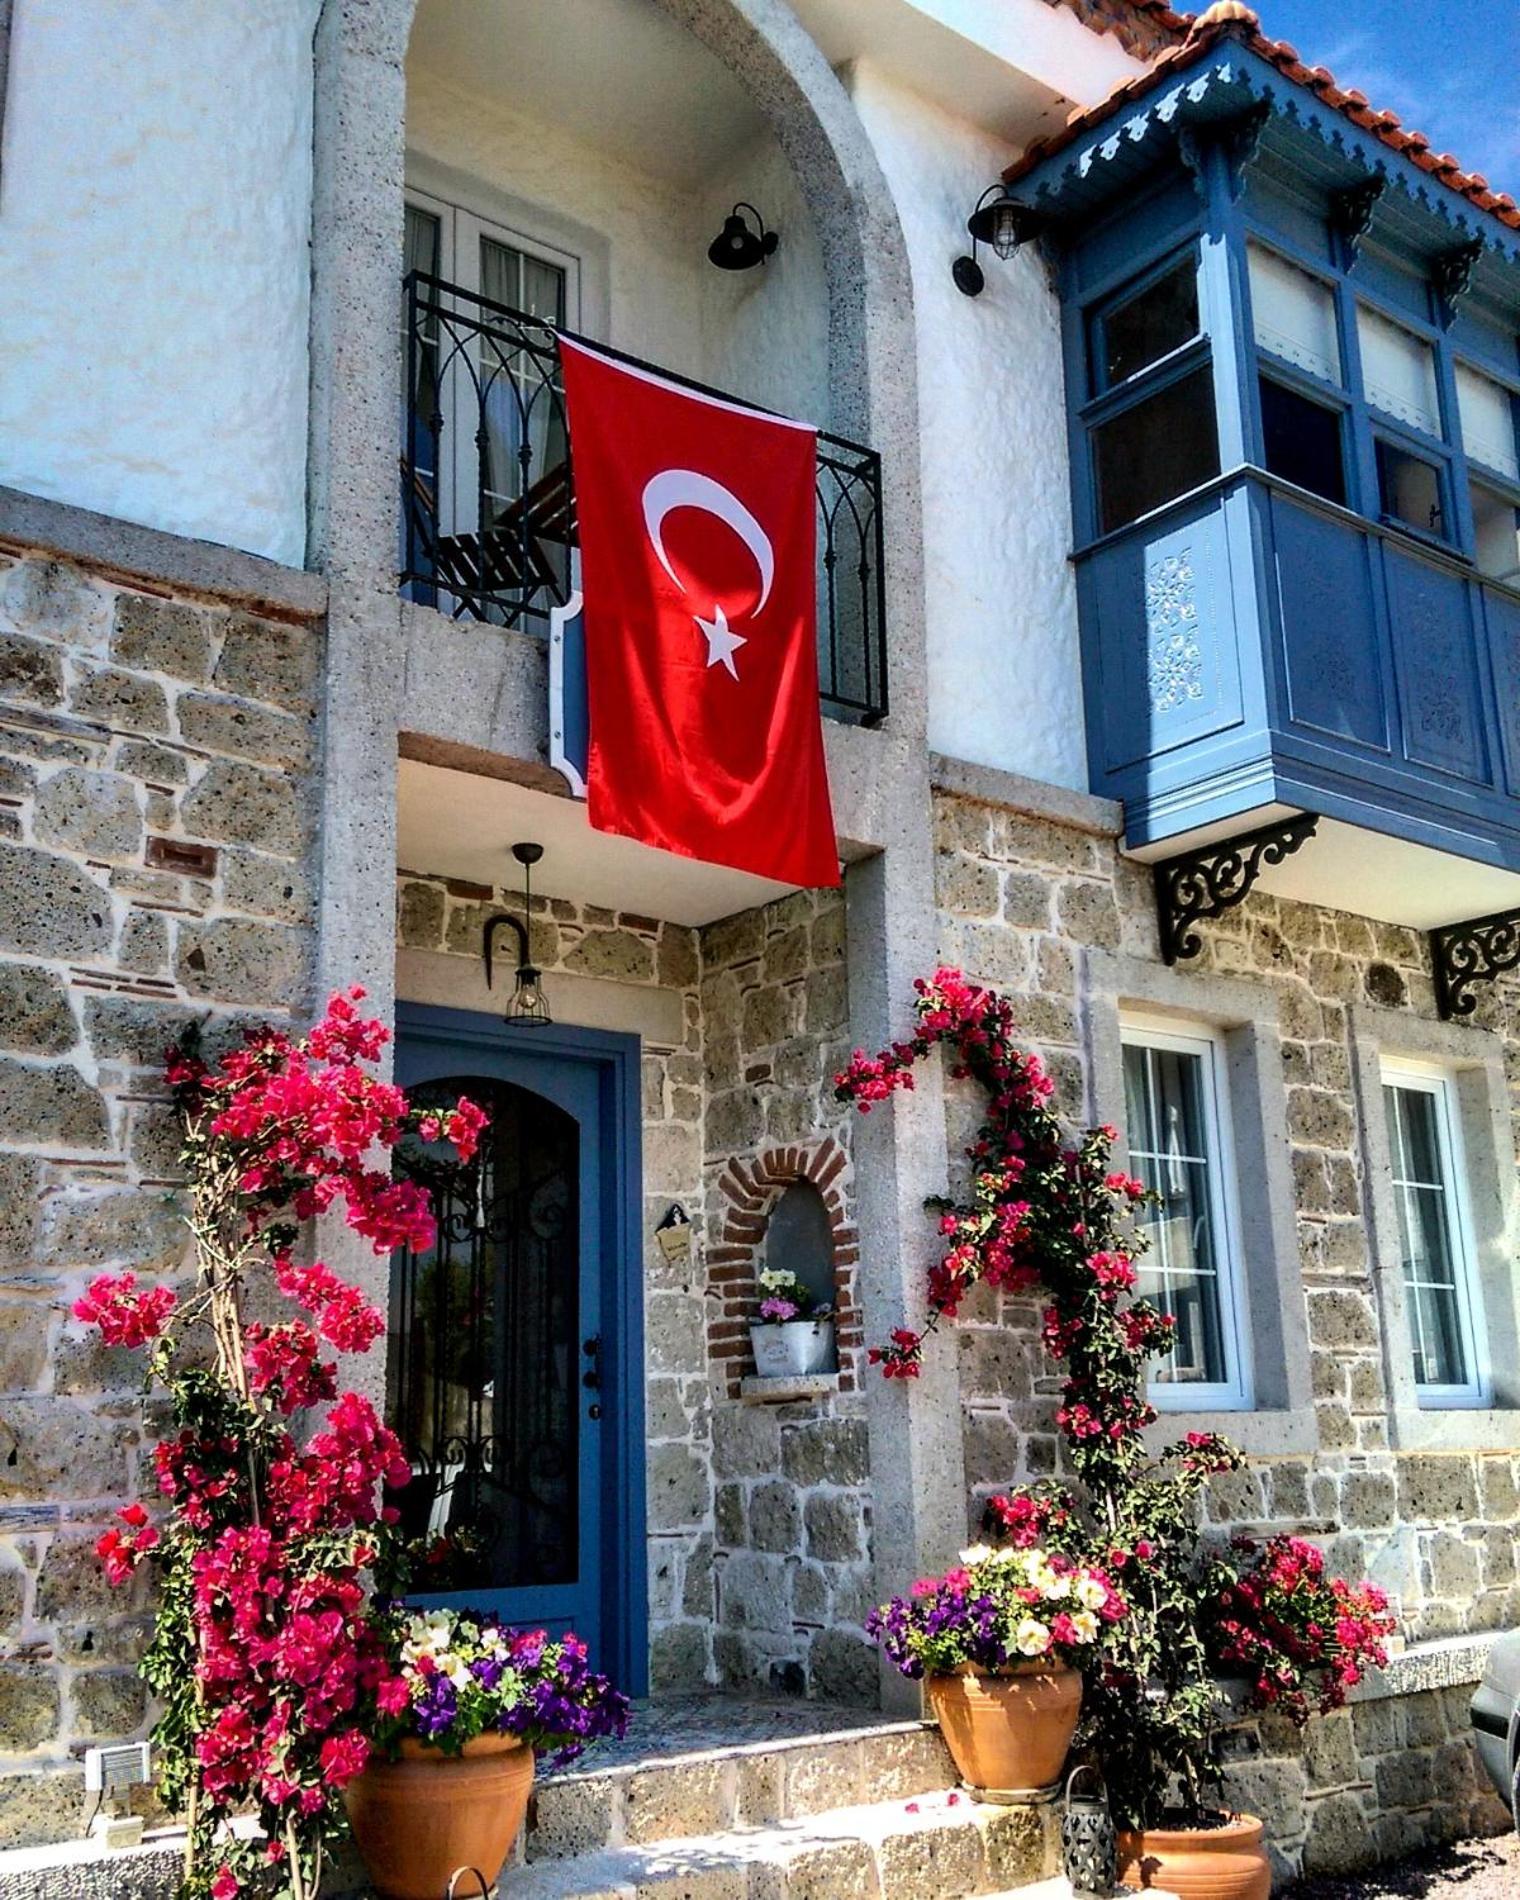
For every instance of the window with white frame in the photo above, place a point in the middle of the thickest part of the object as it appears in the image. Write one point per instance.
(1441, 1292)
(484, 420)
(1177, 1123)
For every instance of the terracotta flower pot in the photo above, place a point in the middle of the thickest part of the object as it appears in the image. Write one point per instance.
(420, 1819)
(1008, 1733)
(1204, 1863)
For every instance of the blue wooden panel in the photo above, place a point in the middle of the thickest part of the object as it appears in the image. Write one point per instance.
(594, 1077)
(1169, 667)
(1327, 625)
(1436, 666)
(1502, 617)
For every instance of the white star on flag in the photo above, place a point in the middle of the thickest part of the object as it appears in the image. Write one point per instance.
(721, 644)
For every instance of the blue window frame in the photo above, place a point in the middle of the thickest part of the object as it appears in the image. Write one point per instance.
(1259, 338)
(1150, 423)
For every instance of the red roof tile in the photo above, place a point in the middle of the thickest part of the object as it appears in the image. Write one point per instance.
(1191, 40)
(1142, 27)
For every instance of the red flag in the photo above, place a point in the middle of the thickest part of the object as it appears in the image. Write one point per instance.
(697, 570)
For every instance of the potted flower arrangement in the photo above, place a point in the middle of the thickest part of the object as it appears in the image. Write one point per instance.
(794, 1333)
(999, 1641)
(1044, 1213)
(459, 1723)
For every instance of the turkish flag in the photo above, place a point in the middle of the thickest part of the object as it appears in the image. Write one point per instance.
(697, 571)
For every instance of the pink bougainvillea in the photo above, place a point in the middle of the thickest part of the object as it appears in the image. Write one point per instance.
(266, 1657)
(1058, 1216)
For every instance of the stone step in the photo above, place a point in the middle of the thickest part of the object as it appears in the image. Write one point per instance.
(748, 1784)
(939, 1846)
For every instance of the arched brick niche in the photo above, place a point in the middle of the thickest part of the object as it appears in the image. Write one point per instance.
(748, 1192)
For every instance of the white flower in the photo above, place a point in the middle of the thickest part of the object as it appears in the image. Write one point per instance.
(1054, 1587)
(977, 1554)
(1031, 1638)
(1090, 1592)
(1086, 1626)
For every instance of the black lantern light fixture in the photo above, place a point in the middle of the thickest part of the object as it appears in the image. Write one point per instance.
(737, 247)
(1000, 221)
(528, 1007)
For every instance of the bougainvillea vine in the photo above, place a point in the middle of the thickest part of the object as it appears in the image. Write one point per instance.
(1057, 1220)
(267, 1657)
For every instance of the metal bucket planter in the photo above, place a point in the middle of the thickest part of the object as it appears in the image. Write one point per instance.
(793, 1348)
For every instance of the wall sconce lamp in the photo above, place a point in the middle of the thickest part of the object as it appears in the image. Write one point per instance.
(528, 1007)
(1000, 221)
(737, 247)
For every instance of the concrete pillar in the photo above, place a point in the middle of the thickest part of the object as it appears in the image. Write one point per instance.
(353, 510)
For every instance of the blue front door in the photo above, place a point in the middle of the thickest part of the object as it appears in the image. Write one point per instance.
(508, 1373)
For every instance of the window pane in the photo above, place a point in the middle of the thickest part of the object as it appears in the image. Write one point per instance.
(524, 421)
(1161, 447)
(1496, 525)
(1170, 1151)
(1302, 441)
(1398, 372)
(1152, 323)
(1410, 489)
(1427, 1236)
(1294, 315)
(1487, 410)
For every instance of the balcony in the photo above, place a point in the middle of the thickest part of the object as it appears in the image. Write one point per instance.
(1294, 403)
(1254, 646)
(488, 491)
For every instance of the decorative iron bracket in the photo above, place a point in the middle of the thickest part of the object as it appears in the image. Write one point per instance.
(1351, 210)
(1199, 884)
(1452, 273)
(1475, 952)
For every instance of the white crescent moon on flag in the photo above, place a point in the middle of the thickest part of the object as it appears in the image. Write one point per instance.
(684, 488)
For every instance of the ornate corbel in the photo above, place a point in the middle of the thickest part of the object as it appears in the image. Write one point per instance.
(1237, 139)
(1462, 955)
(1351, 210)
(1202, 883)
(1452, 273)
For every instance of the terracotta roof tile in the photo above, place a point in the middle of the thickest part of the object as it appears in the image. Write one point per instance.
(1182, 41)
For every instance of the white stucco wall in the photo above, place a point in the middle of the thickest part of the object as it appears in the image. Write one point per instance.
(155, 210)
(1004, 668)
(765, 332)
(647, 285)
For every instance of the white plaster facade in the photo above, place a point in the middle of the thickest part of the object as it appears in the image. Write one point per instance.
(155, 232)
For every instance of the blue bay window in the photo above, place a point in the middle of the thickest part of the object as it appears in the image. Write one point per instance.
(1293, 382)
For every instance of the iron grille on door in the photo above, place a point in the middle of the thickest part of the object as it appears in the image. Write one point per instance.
(483, 1369)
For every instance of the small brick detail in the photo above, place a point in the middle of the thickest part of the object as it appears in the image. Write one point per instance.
(175, 854)
(747, 1194)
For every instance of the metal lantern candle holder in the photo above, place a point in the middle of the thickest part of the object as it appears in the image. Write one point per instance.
(1089, 1842)
(528, 1007)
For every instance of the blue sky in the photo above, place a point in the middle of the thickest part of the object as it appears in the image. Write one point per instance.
(1449, 68)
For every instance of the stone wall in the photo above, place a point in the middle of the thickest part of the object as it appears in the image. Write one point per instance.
(446, 915)
(1393, 1772)
(1021, 901)
(155, 832)
(759, 1564)
(793, 1495)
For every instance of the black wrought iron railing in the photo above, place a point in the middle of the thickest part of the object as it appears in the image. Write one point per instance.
(488, 495)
